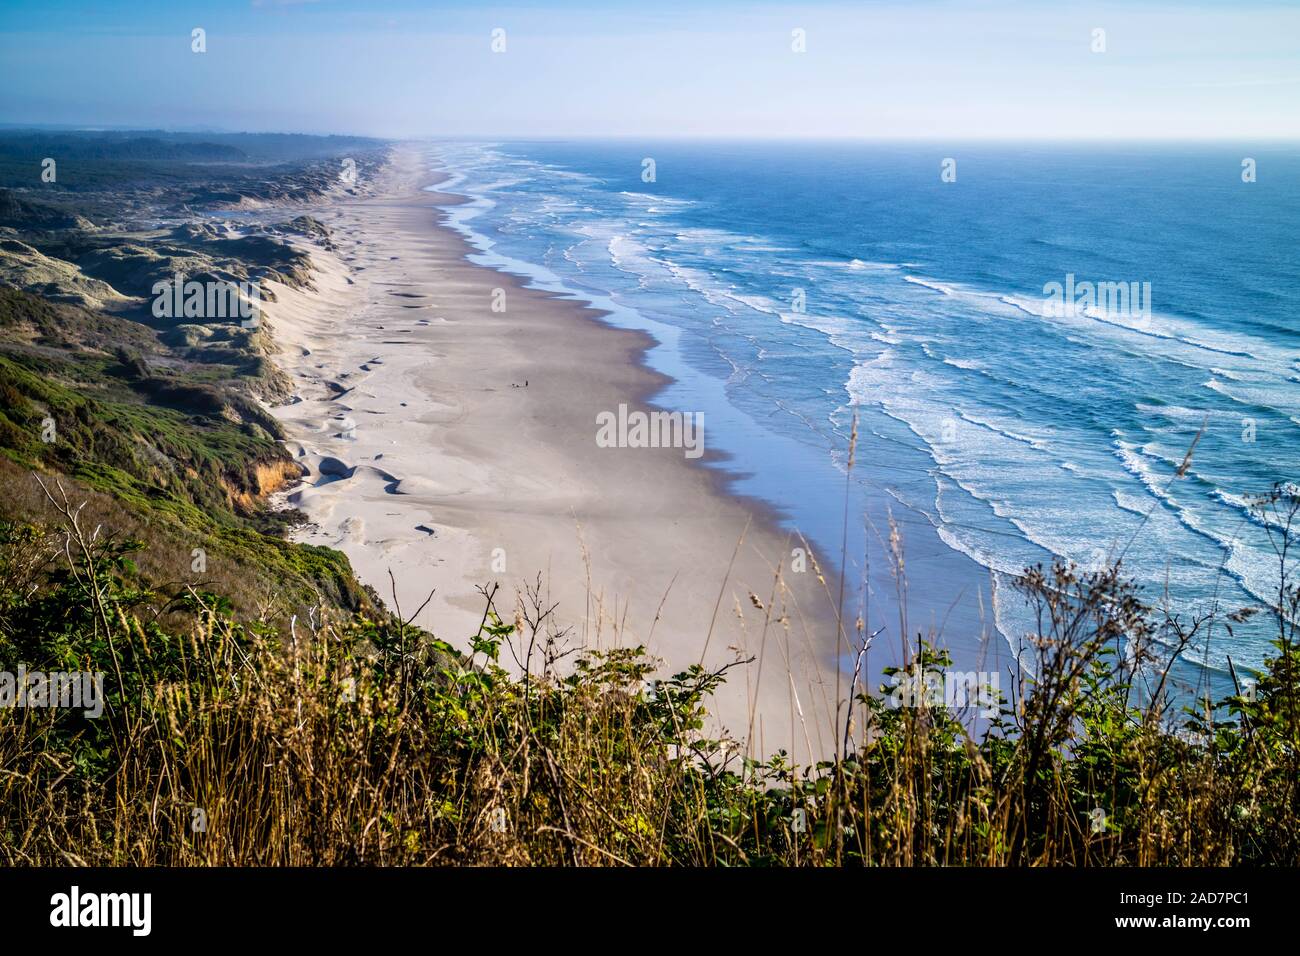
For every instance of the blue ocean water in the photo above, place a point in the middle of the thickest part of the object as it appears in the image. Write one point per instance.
(794, 287)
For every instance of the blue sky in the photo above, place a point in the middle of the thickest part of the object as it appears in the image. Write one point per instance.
(925, 69)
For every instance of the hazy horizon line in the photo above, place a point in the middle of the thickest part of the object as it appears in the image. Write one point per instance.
(1270, 139)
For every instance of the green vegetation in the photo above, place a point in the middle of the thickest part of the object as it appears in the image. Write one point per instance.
(353, 739)
(155, 425)
(154, 161)
(175, 453)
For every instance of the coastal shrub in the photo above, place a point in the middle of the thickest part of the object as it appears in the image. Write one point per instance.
(347, 738)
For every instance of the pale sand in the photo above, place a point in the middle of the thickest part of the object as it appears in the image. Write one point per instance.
(452, 462)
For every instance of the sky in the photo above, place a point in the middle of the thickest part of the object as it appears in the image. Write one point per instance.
(924, 69)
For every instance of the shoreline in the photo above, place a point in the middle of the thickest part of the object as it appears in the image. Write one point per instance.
(955, 602)
(454, 446)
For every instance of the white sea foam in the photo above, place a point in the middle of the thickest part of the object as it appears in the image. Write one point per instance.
(1158, 326)
(1009, 489)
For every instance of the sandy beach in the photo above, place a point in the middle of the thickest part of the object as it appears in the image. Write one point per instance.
(447, 419)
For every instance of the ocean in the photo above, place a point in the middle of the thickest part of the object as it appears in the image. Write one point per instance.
(935, 295)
